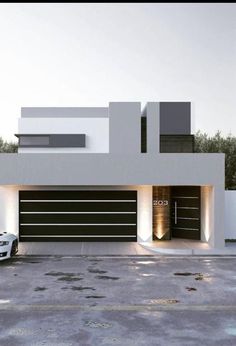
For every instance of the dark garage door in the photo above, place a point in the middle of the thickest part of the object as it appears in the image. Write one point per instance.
(78, 215)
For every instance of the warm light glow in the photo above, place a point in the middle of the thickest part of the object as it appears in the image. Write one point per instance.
(206, 207)
(161, 211)
(159, 230)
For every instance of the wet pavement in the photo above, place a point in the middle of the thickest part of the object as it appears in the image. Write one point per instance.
(117, 300)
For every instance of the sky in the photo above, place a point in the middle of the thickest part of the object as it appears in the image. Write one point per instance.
(87, 55)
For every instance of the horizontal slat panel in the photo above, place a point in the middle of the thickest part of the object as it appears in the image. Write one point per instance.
(78, 230)
(184, 197)
(86, 195)
(76, 200)
(85, 239)
(77, 212)
(186, 218)
(78, 206)
(188, 223)
(78, 224)
(188, 234)
(181, 202)
(186, 212)
(185, 228)
(78, 218)
(186, 191)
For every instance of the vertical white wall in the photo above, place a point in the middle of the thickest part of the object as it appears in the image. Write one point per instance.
(230, 214)
(218, 240)
(212, 215)
(145, 213)
(9, 209)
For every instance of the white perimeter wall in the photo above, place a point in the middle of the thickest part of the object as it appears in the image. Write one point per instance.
(230, 214)
(95, 129)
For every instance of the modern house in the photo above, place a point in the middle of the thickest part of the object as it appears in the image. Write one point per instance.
(111, 174)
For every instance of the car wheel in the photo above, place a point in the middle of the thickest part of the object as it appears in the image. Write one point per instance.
(14, 247)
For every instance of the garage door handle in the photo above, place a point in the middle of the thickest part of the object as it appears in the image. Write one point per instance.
(176, 213)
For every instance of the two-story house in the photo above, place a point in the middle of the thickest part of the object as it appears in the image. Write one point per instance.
(117, 173)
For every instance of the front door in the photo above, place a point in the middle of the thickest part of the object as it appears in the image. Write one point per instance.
(185, 212)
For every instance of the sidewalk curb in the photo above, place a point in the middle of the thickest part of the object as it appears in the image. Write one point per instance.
(191, 252)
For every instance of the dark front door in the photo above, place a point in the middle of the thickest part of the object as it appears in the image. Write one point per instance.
(185, 212)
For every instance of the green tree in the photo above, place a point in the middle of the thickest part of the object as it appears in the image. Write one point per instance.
(219, 144)
(8, 147)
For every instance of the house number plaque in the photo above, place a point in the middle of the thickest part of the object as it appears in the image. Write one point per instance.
(160, 202)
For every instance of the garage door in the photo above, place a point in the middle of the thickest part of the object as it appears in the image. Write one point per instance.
(78, 215)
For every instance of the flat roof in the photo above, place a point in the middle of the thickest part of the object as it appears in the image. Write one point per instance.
(64, 112)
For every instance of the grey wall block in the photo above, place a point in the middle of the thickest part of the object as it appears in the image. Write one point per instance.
(64, 112)
(125, 127)
(107, 169)
(153, 127)
(175, 118)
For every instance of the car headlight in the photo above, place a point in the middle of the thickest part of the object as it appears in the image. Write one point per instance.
(3, 243)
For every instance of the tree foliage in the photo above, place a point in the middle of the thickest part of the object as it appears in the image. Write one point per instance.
(219, 144)
(8, 147)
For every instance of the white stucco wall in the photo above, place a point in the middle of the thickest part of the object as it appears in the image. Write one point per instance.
(230, 214)
(95, 129)
(9, 209)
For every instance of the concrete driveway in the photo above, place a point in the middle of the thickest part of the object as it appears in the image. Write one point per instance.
(82, 248)
(88, 300)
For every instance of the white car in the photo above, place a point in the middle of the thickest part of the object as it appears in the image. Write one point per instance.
(8, 245)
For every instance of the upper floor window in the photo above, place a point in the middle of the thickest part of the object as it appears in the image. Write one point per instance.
(33, 141)
(52, 140)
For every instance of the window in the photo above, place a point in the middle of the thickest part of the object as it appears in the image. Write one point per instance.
(34, 141)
